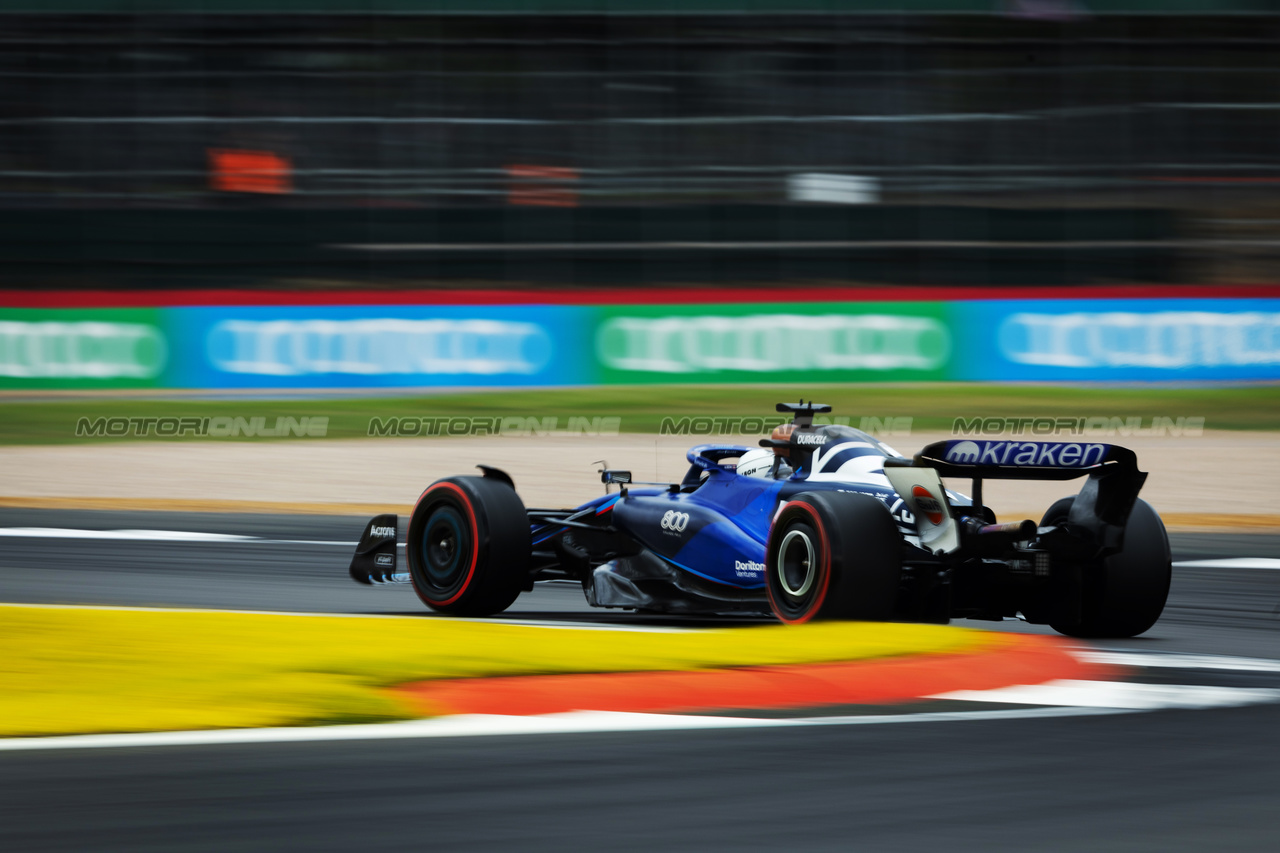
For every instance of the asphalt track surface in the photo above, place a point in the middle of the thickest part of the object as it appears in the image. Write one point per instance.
(1165, 780)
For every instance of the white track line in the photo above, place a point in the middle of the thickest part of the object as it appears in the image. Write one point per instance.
(478, 725)
(161, 536)
(1231, 563)
(157, 536)
(130, 535)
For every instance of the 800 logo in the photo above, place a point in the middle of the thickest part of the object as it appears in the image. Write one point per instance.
(674, 521)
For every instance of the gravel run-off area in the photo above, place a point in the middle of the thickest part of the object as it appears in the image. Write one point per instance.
(1220, 474)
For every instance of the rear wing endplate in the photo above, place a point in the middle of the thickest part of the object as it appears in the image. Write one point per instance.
(1103, 505)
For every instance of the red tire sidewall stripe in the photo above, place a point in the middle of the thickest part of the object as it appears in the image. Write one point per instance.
(475, 540)
(824, 566)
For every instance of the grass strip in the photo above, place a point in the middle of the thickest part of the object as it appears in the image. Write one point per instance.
(87, 670)
(642, 409)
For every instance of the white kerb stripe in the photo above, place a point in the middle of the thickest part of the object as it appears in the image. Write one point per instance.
(1118, 694)
(478, 725)
(1177, 661)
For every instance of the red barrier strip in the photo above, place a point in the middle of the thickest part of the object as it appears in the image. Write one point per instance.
(608, 296)
(1026, 659)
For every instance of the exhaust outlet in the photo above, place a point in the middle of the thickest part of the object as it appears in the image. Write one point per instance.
(993, 539)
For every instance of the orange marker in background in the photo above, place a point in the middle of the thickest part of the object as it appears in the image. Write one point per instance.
(232, 170)
(546, 186)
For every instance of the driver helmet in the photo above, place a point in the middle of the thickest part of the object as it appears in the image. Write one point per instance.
(756, 463)
(761, 463)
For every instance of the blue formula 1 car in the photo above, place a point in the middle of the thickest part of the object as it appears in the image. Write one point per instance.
(821, 522)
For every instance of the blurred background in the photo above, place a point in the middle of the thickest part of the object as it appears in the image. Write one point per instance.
(323, 156)
(326, 142)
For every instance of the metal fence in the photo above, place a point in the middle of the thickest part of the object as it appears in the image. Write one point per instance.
(623, 110)
(348, 112)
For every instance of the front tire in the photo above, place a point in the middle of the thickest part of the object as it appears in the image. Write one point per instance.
(469, 546)
(833, 555)
(1124, 594)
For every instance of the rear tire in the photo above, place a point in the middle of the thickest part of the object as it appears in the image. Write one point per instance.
(1124, 594)
(833, 555)
(469, 546)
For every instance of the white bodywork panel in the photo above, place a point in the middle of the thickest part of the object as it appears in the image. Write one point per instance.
(922, 489)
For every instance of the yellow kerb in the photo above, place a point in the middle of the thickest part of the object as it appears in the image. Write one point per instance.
(80, 670)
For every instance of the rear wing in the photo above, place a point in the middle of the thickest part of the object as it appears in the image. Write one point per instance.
(1101, 508)
(1023, 460)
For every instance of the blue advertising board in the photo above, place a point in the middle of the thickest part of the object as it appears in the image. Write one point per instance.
(381, 346)
(1116, 340)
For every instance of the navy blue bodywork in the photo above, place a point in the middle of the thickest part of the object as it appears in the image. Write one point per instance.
(709, 531)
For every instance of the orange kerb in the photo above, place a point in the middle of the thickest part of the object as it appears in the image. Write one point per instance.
(1023, 659)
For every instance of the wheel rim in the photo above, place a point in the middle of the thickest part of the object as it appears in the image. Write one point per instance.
(444, 547)
(797, 563)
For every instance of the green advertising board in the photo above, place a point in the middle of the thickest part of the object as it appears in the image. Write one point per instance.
(82, 348)
(774, 342)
